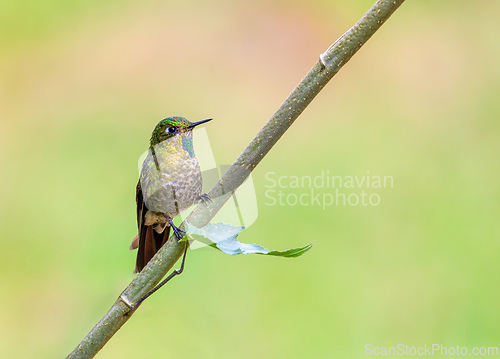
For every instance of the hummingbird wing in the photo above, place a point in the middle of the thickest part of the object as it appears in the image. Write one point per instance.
(150, 241)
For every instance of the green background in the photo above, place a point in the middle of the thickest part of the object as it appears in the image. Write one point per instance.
(83, 83)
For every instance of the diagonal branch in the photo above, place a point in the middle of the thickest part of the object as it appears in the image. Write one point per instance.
(329, 64)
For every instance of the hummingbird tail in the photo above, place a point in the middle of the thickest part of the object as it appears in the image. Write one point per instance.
(150, 242)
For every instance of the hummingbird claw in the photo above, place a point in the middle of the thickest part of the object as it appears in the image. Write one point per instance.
(205, 198)
(179, 233)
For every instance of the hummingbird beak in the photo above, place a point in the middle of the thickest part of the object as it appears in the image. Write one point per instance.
(194, 124)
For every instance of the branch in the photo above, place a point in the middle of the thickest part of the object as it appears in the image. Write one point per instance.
(329, 64)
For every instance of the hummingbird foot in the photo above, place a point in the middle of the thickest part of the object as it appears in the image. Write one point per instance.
(179, 233)
(205, 198)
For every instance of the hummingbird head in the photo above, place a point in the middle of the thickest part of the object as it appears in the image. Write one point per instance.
(172, 126)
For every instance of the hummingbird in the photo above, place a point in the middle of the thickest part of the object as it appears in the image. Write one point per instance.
(170, 182)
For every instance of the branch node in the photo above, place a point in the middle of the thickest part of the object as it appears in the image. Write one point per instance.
(127, 301)
(325, 58)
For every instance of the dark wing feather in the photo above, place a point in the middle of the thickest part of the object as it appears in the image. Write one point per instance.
(149, 240)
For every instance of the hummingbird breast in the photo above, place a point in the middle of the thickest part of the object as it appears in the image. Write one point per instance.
(177, 185)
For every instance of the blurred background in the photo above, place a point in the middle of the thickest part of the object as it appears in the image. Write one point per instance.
(82, 85)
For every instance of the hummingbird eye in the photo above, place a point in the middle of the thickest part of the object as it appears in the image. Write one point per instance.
(170, 130)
